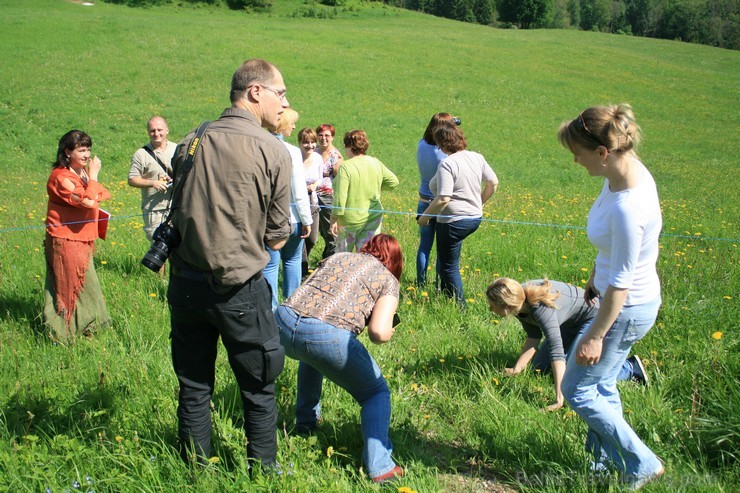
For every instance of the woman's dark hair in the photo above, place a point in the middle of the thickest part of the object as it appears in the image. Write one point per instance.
(69, 142)
(357, 141)
(386, 249)
(437, 119)
(450, 138)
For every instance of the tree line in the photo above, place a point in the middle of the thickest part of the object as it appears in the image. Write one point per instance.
(711, 22)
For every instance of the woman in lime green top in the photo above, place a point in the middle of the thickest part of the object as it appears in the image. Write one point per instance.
(357, 213)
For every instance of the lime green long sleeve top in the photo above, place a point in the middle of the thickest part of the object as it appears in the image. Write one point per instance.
(357, 189)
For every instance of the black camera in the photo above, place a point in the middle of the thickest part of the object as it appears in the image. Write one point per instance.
(457, 120)
(166, 238)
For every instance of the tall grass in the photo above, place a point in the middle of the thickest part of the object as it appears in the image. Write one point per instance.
(105, 408)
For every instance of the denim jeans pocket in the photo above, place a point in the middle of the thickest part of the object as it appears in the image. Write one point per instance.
(632, 334)
(327, 350)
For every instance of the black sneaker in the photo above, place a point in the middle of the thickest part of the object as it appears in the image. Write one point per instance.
(639, 374)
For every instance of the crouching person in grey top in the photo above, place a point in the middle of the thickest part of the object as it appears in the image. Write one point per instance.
(235, 199)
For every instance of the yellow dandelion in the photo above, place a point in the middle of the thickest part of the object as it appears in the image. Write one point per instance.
(152, 295)
(408, 302)
(717, 336)
(103, 262)
(214, 460)
(424, 294)
(727, 297)
(411, 288)
(564, 257)
(119, 438)
(441, 360)
(329, 451)
(584, 269)
(426, 416)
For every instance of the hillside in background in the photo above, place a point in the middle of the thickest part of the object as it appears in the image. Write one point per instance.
(102, 413)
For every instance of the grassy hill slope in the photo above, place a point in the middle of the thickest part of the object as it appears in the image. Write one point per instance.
(105, 408)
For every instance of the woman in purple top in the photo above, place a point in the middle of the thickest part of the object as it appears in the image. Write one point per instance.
(559, 312)
(428, 157)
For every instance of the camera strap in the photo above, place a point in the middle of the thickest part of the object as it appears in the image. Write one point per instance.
(187, 165)
(159, 161)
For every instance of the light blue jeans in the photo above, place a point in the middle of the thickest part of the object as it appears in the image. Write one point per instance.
(591, 391)
(542, 361)
(326, 350)
(290, 255)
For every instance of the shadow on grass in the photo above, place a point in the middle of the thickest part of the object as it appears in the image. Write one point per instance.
(37, 411)
(83, 421)
(24, 311)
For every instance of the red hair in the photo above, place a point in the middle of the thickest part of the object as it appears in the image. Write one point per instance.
(325, 126)
(386, 249)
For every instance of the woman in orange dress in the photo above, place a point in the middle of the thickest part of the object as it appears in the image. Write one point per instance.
(74, 303)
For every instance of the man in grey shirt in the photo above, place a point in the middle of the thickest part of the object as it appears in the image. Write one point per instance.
(235, 200)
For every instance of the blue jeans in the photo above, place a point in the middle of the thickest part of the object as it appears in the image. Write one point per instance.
(325, 350)
(591, 391)
(542, 361)
(449, 244)
(426, 241)
(290, 255)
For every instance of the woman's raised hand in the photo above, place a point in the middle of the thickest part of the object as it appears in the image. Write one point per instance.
(93, 168)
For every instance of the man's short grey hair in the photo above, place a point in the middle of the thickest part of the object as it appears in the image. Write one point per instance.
(253, 71)
(157, 117)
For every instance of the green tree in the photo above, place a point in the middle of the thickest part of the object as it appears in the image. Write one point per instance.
(483, 11)
(643, 15)
(596, 15)
(524, 13)
(574, 9)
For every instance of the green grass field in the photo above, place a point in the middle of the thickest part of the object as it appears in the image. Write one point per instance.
(102, 413)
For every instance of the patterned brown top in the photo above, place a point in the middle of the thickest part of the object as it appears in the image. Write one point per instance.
(343, 291)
